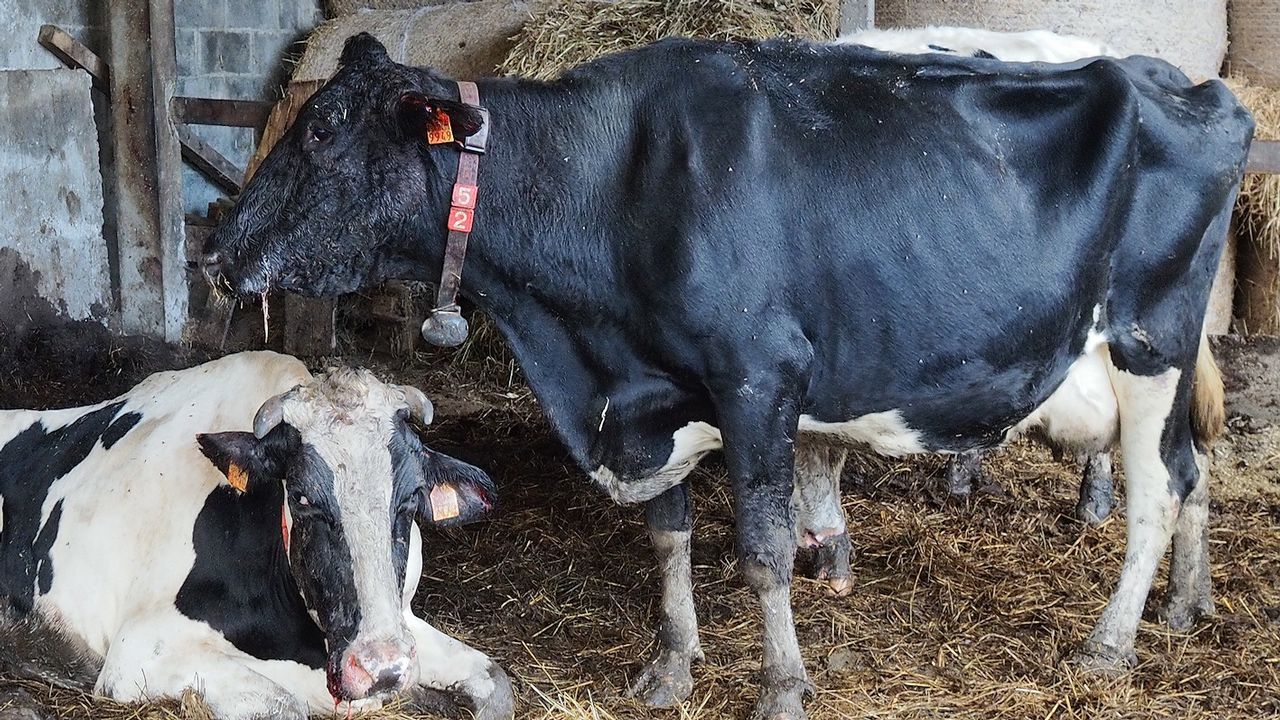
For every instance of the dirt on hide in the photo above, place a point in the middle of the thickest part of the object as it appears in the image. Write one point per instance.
(960, 609)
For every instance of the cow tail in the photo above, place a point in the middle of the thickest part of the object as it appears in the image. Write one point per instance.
(1208, 410)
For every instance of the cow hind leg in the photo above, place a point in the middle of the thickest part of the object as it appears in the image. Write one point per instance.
(668, 679)
(1190, 596)
(820, 521)
(1160, 469)
(963, 471)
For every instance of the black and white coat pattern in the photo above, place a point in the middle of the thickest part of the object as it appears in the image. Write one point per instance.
(285, 594)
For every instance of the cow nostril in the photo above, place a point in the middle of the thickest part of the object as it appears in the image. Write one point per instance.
(211, 261)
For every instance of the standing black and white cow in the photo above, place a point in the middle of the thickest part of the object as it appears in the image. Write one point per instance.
(272, 569)
(820, 520)
(706, 245)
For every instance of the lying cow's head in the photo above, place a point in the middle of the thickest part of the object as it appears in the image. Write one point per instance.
(341, 456)
(330, 208)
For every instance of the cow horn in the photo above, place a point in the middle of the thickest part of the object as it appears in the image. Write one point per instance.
(419, 406)
(269, 415)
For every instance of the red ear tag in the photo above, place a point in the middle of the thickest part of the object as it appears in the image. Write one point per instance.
(284, 528)
(441, 130)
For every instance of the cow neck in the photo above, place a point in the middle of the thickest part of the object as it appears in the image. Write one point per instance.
(445, 326)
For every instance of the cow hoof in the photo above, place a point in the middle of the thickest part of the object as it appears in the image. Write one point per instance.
(665, 682)
(500, 703)
(831, 565)
(1091, 513)
(1182, 614)
(1102, 660)
(422, 700)
(783, 700)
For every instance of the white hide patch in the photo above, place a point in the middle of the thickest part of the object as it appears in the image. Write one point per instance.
(689, 444)
(886, 433)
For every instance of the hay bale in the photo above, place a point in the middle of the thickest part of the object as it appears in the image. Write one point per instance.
(1191, 34)
(1258, 222)
(338, 8)
(1255, 40)
(573, 32)
(461, 40)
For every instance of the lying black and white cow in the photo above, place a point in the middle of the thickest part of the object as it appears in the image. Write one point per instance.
(820, 520)
(272, 569)
(702, 245)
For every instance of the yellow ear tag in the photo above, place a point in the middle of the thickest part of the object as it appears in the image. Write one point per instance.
(237, 477)
(441, 131)
(444, 503)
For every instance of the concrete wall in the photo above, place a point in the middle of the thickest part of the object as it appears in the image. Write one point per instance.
(52, 198)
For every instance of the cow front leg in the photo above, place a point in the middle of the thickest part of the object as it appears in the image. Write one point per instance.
(758, 411)
(1096, 488)
(1155, 443)
(667, 678)
(820, 521)
(445, 663)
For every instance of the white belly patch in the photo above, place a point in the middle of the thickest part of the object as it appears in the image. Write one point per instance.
(886, 433)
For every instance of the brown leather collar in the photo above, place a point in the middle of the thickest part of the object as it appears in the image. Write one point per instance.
(446, 327)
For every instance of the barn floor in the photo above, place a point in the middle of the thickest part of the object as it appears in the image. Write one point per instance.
(960, 610)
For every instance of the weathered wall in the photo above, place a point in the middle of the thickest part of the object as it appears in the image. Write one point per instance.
(52, 200)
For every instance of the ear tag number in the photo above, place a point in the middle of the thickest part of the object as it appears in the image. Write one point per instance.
(441, 130)
(237, 477)
(444, 503)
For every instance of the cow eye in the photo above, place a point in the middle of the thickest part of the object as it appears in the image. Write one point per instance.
(319, 135)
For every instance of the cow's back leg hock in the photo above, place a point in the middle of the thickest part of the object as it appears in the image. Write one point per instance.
(1097, 494)
(820, 521)
(667, 679)
(1190, 596)
(758, 408)
(1155, 442)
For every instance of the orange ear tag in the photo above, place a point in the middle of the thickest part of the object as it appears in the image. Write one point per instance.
(444, 503)
(237, 477)
(441, 131)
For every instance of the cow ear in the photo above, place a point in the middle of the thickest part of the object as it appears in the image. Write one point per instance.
(456, 493)
(364, 49)
(237, 455)
(425, 117)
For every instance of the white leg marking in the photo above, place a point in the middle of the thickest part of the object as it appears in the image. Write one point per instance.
(1144, 405)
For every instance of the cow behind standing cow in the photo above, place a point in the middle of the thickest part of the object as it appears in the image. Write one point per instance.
(245, 529)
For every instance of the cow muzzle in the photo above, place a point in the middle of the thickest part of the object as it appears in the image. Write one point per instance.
(371, 668)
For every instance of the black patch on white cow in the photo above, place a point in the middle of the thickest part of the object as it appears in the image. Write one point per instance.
(29, 464)
(984, 55)
(939, 48)
(240, 583)
(43, 544)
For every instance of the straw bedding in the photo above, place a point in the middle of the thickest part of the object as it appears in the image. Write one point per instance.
(960, 610)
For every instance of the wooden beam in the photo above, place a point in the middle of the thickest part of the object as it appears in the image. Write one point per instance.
(74, 55)
(857, 15)
(1264, 157)
(225, 113)
(151, 244)
(211, 163)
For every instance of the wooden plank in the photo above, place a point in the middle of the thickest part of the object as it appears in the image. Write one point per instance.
(225, 113)
(211, 163)
(857, 15)
(308, 325)
(74, 55)
(151, 244)
(1264, 157)
(282, 117)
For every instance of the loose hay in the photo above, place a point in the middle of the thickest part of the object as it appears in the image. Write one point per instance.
(1257, 217)
(574, 32)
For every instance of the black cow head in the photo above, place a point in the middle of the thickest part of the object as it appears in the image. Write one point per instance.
(355, 475)
(326, 210)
